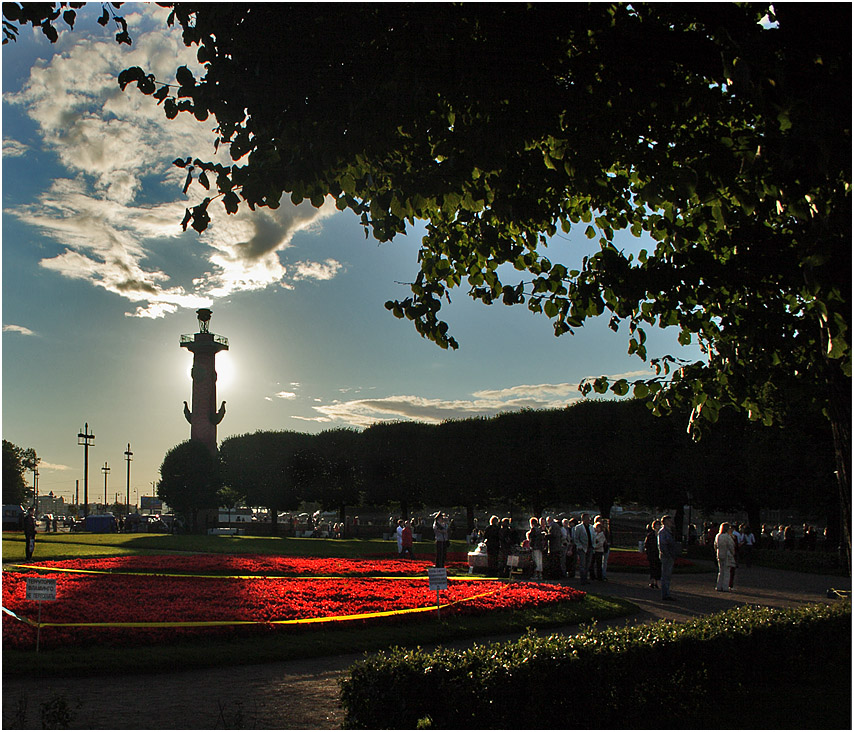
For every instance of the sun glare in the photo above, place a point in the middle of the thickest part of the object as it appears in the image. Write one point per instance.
(226, 370)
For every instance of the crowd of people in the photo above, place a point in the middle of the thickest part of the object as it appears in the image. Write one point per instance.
(559, 548)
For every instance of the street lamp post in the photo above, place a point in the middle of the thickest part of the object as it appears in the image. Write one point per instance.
(128, 457)
(105, 469)
(85, 439)
(36, 488)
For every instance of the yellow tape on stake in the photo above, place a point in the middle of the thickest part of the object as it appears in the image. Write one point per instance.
(216, 623)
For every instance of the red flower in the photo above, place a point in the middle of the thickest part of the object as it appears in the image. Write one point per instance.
(165, 591)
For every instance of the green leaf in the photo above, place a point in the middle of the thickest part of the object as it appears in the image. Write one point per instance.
(231, 202)
(640, 390)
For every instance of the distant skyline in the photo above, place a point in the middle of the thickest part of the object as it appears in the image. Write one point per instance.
(100, 282)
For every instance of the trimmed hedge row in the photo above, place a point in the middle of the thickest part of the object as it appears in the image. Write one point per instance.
(644, 676)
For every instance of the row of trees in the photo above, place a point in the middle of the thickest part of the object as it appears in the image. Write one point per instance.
(591, 453)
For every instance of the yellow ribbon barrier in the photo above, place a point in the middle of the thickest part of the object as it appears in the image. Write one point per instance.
(214, 623)
(41, 568)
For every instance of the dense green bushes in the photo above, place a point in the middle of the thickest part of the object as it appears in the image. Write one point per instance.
(646, 676)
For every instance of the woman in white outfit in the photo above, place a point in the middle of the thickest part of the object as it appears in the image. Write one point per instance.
(725, 551)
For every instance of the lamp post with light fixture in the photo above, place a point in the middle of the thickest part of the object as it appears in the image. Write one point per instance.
(85, 439)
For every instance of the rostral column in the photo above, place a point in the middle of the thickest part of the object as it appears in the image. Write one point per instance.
(204, 416)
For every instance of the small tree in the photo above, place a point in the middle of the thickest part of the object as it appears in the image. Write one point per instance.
(14, 486)
(190, 480)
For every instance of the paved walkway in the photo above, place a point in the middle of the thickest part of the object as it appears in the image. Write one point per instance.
(304, 694)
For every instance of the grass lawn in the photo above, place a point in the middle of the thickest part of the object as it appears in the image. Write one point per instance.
(287, 645)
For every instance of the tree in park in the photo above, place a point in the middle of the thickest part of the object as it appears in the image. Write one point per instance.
(264, 468)
(190, 480)
(720, 131)
(14, 484)
(395, 460)
(336, 471)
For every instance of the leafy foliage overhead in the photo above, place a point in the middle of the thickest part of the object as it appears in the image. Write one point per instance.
(724, 138)
(722, 130)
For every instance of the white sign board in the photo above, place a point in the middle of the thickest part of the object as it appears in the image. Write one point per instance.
(40, 589)
(438, 578)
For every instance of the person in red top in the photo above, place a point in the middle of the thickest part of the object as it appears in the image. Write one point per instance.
(406, 541)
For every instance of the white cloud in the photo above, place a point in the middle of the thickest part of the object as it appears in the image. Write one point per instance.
(487, 403)
(116, 145)
(14, 149)
(18, 329)
(52, 466)
(286, 395)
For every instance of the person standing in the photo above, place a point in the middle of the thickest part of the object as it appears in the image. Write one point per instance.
(406, 541)
(506, 541)
(606, 529)
(650, 546)
(30, 531)
(440, 531)
(398, 534)
(667, 553)
(583, 538)
(536, 540)
(570, 546)
(555, 547)
(748, 545)
(598, 550)
(725, 552)
(493, 544)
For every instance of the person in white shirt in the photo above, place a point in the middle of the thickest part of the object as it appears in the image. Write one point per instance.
(398, 532)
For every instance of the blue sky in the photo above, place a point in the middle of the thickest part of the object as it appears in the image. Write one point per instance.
(99, 282)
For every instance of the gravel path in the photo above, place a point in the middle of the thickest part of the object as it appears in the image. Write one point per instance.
(304, 694)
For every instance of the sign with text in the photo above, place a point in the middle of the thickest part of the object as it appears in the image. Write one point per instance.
(150, 503)
(438, 578)
(41, 589)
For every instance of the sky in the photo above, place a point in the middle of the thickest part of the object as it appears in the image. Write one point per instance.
(99, 282)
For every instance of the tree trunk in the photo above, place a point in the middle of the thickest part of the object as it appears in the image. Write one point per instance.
(840, 423)
(753, 519)
(469, 519)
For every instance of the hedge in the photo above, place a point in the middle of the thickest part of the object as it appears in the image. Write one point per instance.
(643, 676)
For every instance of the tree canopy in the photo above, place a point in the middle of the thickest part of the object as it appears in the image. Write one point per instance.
(14, 485)
(190, 480)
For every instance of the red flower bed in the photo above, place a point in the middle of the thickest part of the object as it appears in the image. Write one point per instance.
(230, 605)
(247, 564)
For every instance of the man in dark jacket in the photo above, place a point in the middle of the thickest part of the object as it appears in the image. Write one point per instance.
(30, 531)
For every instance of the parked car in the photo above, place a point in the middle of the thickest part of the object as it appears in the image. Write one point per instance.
(13, 518)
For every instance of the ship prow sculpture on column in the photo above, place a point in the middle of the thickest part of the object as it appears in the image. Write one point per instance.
(204, 416)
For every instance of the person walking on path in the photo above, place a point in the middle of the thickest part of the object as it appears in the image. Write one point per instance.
(667, 553)
(725, 552)
(440, 530)
(650, 546)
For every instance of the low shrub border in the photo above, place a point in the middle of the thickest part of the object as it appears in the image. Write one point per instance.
(650, 674)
